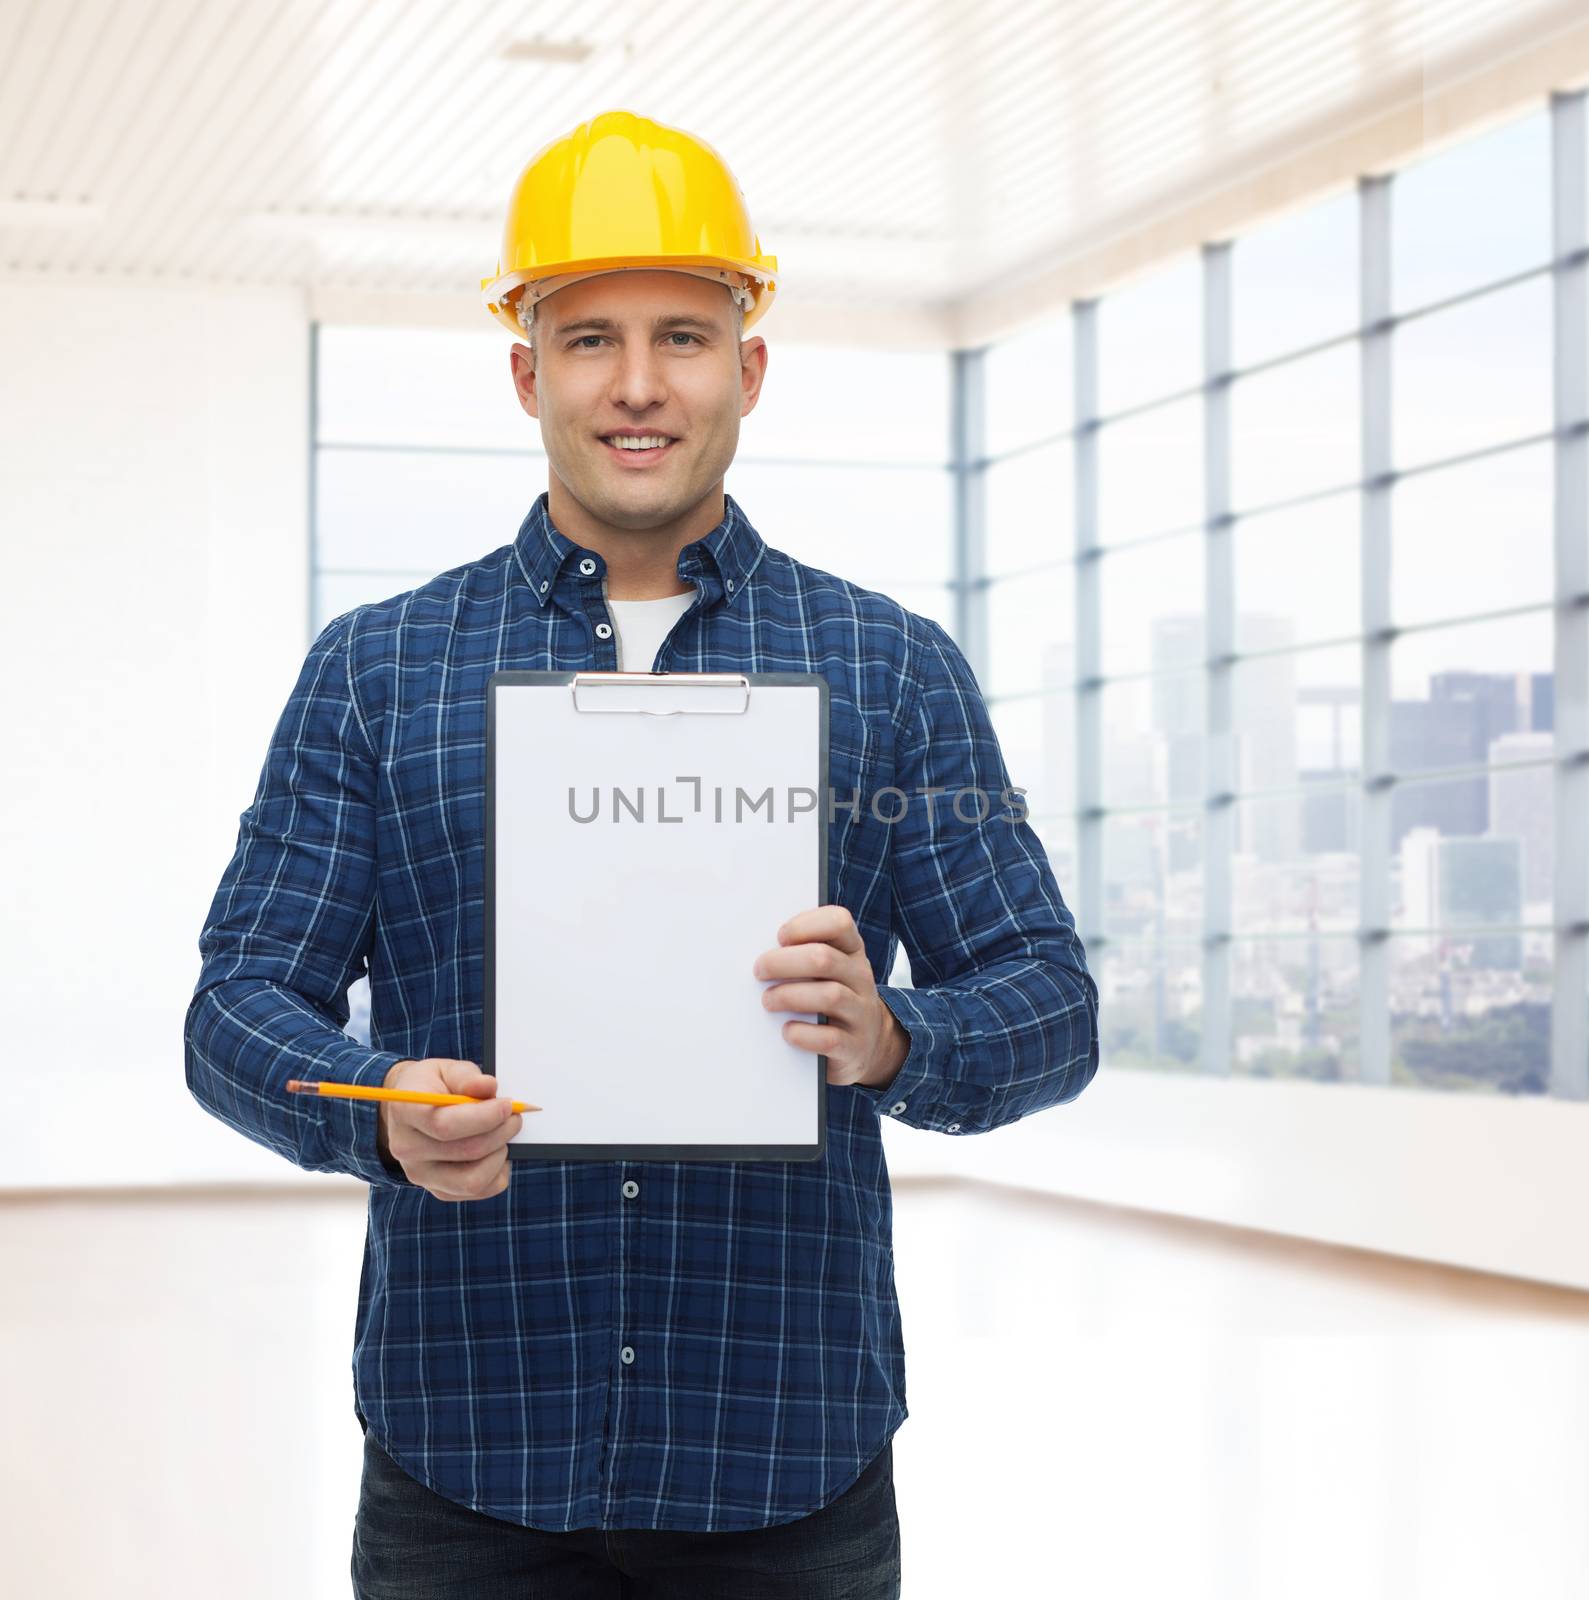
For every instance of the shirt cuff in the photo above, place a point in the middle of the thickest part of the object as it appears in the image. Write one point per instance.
(919, 1092)
(348, 1126)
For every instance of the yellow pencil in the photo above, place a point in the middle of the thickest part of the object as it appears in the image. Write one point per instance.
(418, 1097)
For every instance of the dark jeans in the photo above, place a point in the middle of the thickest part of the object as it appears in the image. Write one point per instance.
(410, 1543)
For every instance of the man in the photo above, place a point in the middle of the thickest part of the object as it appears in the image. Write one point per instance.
(650, 1378)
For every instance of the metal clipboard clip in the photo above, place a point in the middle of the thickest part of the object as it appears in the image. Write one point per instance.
(723, 682)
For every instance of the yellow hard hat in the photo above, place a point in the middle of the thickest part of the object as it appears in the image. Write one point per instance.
(623, 191)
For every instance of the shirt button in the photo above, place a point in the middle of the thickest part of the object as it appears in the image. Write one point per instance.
(730, 585)
(954, 1127)
(631, 1189)
(626, 1355)
(543, 585)
(604, 630)
(587, 566)
(896, 1109)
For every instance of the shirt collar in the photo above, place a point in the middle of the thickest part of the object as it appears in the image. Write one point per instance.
(723, 560)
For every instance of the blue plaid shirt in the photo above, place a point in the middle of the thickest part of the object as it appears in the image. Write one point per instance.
(721, 1349)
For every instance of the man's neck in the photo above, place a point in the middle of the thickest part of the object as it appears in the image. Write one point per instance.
(642, 563)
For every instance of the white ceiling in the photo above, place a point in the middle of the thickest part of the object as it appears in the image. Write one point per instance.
(933, 151)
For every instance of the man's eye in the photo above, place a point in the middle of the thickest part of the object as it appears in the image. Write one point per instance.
(677, 334)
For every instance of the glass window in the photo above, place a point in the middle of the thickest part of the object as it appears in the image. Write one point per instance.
(1474, 537)
(1150, 472)
(847, 403)
(419, 386)
(1325, 688)
(1153, 738)
(935, 600)
(1296, 428)
(1472, 857)
(1470, 1010)
(1058, 838)
(1299, 572)
(1456, 691)
(1295, 715)
(1031, 637)
(1153, 875)
(1295, 1008)
(878, 527)
(1476, 375)
(1480, 848)
(1150, 1010)
(1029, 380)
(1037, 735)
(336, 592)
(1295, 861)
(1330, 724)
(401, 510)
(1151, 604)
(1150, 336)
(1294, 281)
(1030, 505)
(1472, 213)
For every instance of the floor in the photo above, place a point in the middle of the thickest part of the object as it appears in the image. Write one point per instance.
(1102, 1402)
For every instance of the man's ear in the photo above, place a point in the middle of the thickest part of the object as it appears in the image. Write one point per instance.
(752, 369)
(523, 363)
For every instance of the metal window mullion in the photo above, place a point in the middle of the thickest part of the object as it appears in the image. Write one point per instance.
(969, 429)
(1089, 651)
(1374, 1039)
(1569, 1032)
(1219, 611)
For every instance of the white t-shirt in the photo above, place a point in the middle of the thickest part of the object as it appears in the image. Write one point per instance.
(642, 625)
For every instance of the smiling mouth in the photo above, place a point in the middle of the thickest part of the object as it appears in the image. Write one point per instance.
(639, 455)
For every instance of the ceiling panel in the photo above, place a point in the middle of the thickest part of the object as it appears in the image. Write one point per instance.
(939, 147)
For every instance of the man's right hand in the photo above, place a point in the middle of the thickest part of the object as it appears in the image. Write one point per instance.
(455, 1152)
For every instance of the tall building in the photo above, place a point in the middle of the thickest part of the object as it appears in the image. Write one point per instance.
(1264, 712)
(1466, 712)
(1522, 807)
(1451, 884)
(1481, 883)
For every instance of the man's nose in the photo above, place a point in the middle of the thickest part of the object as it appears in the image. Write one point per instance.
(638, 381)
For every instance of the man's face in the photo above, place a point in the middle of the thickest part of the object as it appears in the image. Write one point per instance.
(639, 352)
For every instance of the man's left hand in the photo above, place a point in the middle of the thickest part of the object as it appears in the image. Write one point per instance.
(821, 965)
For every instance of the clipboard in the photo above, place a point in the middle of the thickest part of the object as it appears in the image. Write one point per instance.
(625, 905)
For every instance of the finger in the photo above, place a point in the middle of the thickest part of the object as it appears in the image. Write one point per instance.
(465, 1077)
(446, 1123)
(419, 1146)
(462, 1181)
(477, 1181)
(810, 961)
(826, 925)
(463, 1122)
(825, 997)
(820, 1038)
(492, 1125)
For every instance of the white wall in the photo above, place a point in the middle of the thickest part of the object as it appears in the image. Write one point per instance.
(1492, 1182)
(153, 502)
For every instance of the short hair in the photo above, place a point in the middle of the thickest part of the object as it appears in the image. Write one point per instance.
(526, 320)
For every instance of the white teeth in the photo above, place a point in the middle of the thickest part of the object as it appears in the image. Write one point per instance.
(650, 442)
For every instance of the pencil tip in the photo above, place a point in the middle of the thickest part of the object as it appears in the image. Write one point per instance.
(293, 1085)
